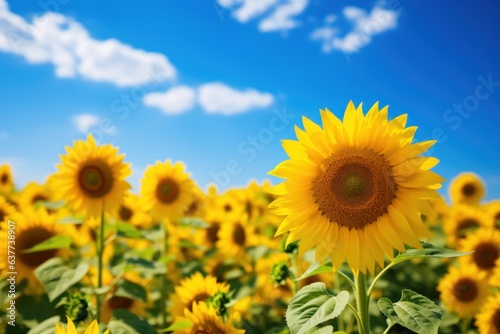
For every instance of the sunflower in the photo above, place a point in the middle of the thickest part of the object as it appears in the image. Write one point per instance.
(6, 210)
(195, 289)
(114, 302)
(486, 246)
(228, 205)
(210, 235)
(31, 227)
(6, 182)
(467, 188)
(167, 190)
(493, 213)
(131, 211)
(355, 189)
(92, 178)
(235, 236)
(488, 319)
(495, 276)
(463, 290)
(461, 220)
(35, 193)
(266, 291)
(205, 321)
(93, 328)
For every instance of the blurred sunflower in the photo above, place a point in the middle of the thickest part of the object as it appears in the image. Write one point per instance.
(206, 321)
(209, 236)
(6, 182)
(114, 302)
(463, 290)
(195, 289)
(197, 206)
(486, 246)
(93, 328)
(495, 276)
(167, 190)
(91, 178)
(131, 211)
(493, 213)
(228, 206)
(6, 210)
(355, 189)
(235, 236)
(467, 188)
(32, 227)
(35, 193)
(488, 319)
(461, 220)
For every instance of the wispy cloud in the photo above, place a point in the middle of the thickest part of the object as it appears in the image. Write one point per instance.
(174, 101)
(364, 27)
(217, 98)
(85, 122)
(274, 15)
(62, 41)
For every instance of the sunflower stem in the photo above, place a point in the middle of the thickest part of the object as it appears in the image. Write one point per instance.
(388, 328)
(347, 278)
(362, 301)
(163, 295)
(379, 276)
(100, 251)
(464, 325)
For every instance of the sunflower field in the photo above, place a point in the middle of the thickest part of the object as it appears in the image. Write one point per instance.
(356, 239)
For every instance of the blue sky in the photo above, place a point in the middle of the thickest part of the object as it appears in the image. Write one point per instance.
(218, 83)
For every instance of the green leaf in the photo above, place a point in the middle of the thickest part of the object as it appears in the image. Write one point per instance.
(45, 327)
(58, 278)
(71, 220)
(125, 322)
(413, 311)
(193, 222)
(316, 268)
(131, 290)
(55, 242)
(322, 330)
(140, 262)
(179, 325)
(429, 250)
(313, 305)
(50, 205)
(127, 231)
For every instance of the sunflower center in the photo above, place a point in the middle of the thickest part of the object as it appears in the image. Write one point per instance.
(496, 320)
(228, 208)
(29, 238)
(125, 213)
(167, 191)
(212, 232)
(4, 178)
(468, 189)
(486, 255)
(2, 215)
(96, 179)
(117, 302)
(201, 297)
(239, 236)
(38, 197)
(354, 187)
(465, 290)
(464, 226)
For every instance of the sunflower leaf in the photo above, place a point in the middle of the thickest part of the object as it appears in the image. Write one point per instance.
(128, 231)
(58, 278)
(315, 269)
(312, 306)
(413, 311)
(179, 325)
(193, 222)
(428, 250)
(55, 242)
(71, 220)
(131, 290)
(125, 322)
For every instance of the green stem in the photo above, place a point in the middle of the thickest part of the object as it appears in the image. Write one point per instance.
(362, 300)
(163, 295)
(295, 271)
(388, 328)
(356, 315)
(379, 276)
(464, 325)
(100, 252)
(347, 278)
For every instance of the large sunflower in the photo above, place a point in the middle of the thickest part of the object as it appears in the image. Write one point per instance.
(205, 321)
(486, 246)
(355, 189)
(6, 182)
(196, 288)
(31, 228)
(167, 190)
(464, 290)
(92, 178)
(467, 187)
(488, 319)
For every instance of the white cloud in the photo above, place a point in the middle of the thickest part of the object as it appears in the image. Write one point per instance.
(85, 122)
(62, 41)
(365, 26)
(217, 98)
(274, 14)
(174, 101)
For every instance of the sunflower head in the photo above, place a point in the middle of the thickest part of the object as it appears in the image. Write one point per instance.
(488, 319)
(6, 181)
(462, 220)
(486, 246)
(355, 189)
(92, 177)
(206, 321)
(467, 188)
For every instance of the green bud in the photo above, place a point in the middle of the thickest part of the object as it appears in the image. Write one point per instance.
(220, 302)
(280, 273)
(77, 307)
(291, 248)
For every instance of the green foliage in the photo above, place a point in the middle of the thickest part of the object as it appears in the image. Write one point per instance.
(55, 242)
(125, 322)
(413, 311)
(312, 306)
